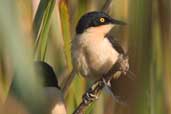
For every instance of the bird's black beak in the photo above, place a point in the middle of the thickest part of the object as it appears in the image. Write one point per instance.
(117, 22)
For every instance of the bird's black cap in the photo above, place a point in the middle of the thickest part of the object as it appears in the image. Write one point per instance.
(45, 71)
(93, 19)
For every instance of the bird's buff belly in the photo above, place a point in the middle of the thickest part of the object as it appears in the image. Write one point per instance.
(95, 60)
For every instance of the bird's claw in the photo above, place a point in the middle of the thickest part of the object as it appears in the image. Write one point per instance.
(89, 97)
(106, 82)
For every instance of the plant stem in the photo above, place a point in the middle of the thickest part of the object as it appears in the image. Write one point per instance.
(94, 92)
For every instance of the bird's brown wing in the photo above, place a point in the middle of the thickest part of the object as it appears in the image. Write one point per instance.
(117, 85)
(116, 45)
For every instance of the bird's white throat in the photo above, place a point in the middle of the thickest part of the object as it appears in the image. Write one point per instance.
(103, 29)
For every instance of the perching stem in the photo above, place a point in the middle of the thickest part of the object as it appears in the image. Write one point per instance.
(93, 93)
(106, 6)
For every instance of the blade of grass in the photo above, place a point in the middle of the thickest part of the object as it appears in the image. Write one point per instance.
(165, 23)
(156, 78)
(39, 16)
(41, 27)
(20, 54)
(140, 51)
(64, 15)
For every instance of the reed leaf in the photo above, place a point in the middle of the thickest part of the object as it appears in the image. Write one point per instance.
(41, 27)
(65, 22)
(165, 24)
(20, 57)
(140, 50)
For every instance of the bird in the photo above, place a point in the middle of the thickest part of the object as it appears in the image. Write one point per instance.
(94, 51)
(53, 101)
(52, 91)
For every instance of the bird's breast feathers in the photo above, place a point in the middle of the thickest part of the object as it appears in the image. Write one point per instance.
(93, 55)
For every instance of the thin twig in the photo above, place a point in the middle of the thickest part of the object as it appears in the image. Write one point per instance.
(106, 6)
(68, 82)
(93, 93)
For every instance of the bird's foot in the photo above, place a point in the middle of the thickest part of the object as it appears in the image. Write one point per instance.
(93, 93)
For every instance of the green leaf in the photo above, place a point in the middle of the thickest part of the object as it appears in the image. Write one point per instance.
(64, 15)
(41, 27)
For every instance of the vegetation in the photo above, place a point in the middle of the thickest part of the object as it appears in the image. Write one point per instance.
(26, 36)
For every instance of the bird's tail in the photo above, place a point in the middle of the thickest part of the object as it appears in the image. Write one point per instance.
(68, 82)
(116, 98)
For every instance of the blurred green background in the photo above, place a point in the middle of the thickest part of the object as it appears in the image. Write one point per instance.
(147, 38)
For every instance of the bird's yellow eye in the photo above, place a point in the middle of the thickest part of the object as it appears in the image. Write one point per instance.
(102, 20)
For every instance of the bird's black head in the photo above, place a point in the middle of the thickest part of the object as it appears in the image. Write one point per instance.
(45, 72)
(94, 19)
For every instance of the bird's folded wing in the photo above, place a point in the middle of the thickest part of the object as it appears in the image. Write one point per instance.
(116, 45)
